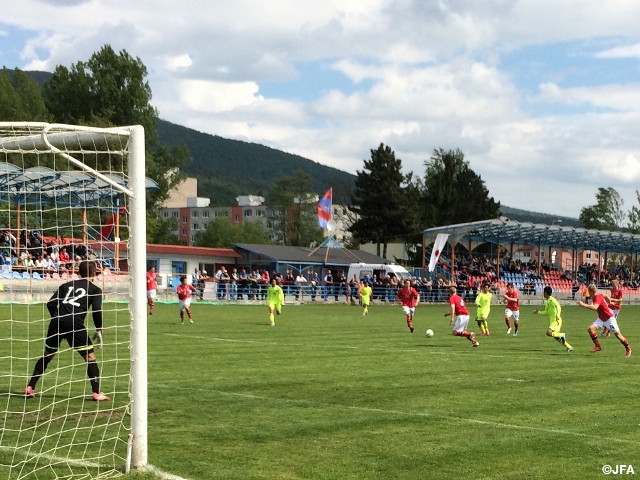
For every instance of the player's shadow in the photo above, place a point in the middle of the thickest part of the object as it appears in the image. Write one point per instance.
(432, 345)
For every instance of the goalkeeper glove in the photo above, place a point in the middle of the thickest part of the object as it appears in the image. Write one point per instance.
(97, 337)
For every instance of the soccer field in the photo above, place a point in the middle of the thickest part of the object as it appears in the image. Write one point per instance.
(330, 394)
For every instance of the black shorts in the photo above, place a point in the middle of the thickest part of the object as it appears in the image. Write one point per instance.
(75, 334)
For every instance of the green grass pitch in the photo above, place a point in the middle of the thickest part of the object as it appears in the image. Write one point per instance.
(330, 394)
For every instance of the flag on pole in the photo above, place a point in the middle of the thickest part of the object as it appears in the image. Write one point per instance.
(324, 208)
(107, 230)
(438, 245)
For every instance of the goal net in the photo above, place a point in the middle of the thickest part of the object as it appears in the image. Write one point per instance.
(67, 194)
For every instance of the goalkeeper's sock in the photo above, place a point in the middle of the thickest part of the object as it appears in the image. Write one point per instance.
(39, 369)
(93, 372)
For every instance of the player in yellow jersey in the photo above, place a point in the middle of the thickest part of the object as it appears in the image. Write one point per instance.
(483, 304)
(275, 300)
(553, 310)
(365, 297)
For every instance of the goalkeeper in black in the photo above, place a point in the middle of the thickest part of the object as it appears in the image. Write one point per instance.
(68, 307)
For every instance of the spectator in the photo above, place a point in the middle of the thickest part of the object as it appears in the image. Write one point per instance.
(196, 279)
(301, 283)
(314, 283)
(263, 284)
(354, 287)
(243, 280)
(75, 267)
(38, 265)
(64, 259)
(48, 266)
(233, 284)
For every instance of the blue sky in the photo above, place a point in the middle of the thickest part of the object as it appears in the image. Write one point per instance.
(542, 97)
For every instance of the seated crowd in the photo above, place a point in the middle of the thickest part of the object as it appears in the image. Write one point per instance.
(46, 257)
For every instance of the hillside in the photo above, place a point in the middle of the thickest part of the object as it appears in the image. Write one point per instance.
(536, 217)
(222, 165)
(227, 168)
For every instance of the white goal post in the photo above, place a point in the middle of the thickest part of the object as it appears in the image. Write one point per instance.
(81, 190)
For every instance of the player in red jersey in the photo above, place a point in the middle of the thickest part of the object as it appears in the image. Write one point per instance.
(512, 310)
(184, 298)
(615, 294)
(460, 315)
(606, 318)
(152, 286)
(409, 297)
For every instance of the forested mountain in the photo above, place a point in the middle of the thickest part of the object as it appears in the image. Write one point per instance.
(536, 217)
(227, 168)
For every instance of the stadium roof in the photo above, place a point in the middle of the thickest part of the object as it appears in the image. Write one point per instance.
(326, 255)
(505, 232)
(38, 184)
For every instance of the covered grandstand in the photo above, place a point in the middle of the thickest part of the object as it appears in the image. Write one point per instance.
(508, 236)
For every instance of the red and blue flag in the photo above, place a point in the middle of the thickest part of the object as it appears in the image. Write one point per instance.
(324, 208)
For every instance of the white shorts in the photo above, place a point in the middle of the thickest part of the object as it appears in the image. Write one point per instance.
(615, 313)
(182, 304)
(151, 293)
(462, 321)
(611, 324)
(408, 310)
(512, 313)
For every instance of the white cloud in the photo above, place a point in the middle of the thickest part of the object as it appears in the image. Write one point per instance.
(413, 74)
(179, 62)
(617, 97)
(216, 97)
(624, 51)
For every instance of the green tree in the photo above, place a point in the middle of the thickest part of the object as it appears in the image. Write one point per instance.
(380, 202)
(634, 216)
(162, 230)
(20, 97)
(110, 89)
(293, 210)
(222, 233)
(607, 213)
(453, 193)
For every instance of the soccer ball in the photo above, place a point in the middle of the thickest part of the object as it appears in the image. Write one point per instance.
(429, 333)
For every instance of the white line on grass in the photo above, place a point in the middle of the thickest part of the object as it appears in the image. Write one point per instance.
(87, 464)
(163, 475)
(370, 349)
(455, 418)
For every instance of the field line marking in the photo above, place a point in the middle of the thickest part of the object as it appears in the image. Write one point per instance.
(423, 414)
(511, 356)
(163, 475)
(88, 464)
